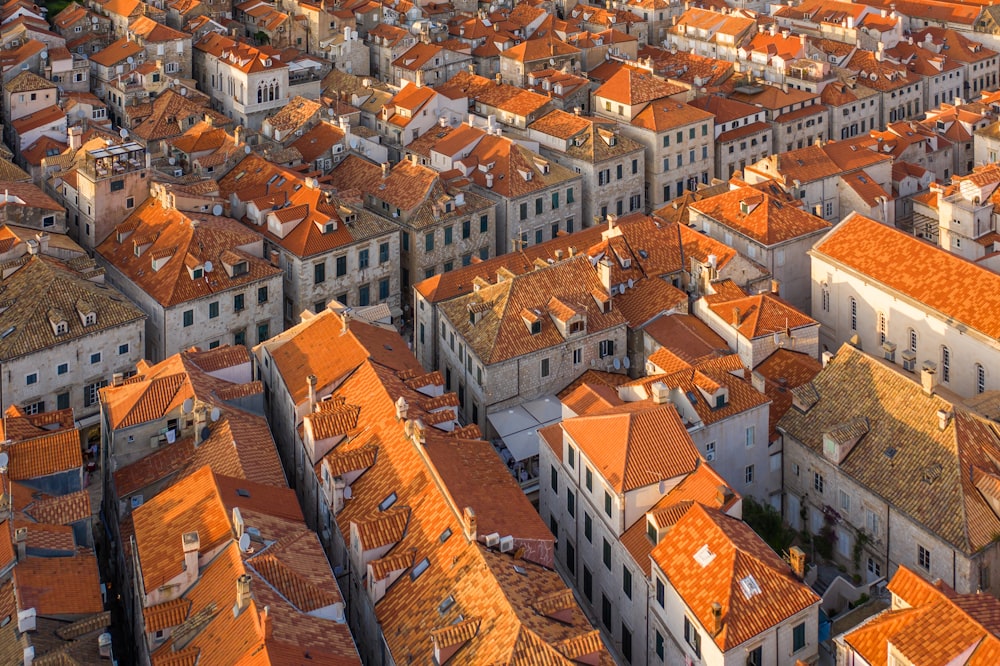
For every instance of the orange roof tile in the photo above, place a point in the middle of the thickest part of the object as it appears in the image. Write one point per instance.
(760, 216)
(77, 593)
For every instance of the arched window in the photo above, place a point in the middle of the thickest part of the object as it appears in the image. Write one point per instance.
(980, 378)
(260, 94)
(854, 314)
(945, 364)
(913, 341)
(881, 328)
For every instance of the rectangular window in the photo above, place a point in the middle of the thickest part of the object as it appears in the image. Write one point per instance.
(524, 211)
(570, 503)
(213, 310)
(448, 235)
(588, 527)
(62, 400)
(750, 437)
(607, 503)
(484, 223)
(924, 558)
(91, 392)
(95, 358)
(748, 474)
(238, 303)
(570, 557)
(873, 522)
(635, 167)
(319, 272)
(364, 295)
(571, 456)
(362, 259)
(626, 581)
(117, 185)
(606, 611)
(799, 637)
(626, 644)
(589, 479)
(660, 593)
(383, 289)
(188, 318)
(619, 172)
(755, 656)
(545, 367)
(240, 338)
(606, 554)
(659, 645)
(606, 348)
(569, 197)
(538, 206)
(588, 584)
(692, 637)
(405, 240)
(31, 379)
(577, 356)
(62, 368)
(383, 253)
(555, 200)
(845, 501)
(263, 332)
(554, 479)
(262, 294)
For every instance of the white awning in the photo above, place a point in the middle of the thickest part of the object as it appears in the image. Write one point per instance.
(518, 426)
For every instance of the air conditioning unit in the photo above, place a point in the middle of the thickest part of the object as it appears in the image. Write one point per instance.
(909, 361)
(178, 173)
(889, 351)
(492, 540)
(506, 544)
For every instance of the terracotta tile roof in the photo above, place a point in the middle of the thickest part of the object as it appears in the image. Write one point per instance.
(959, 47)
(166, 615)
(908, 265)
(117, 52)
(634, 87)
(739, 558)
(47, 116)
(703, 485)
(866, 188)
(928, 479)
(172, 113)
(78, 591)
(238, 55)
(27, 81)
(515, 169)
(207, 238)
(761, 315)
(590, 398)
(663, 115)
(533, 50)
(687, 337)
(933, 627)
(783, 371)
(760, 216)
(154, 32)
(634, 446)
(500, 334)
(45, 455)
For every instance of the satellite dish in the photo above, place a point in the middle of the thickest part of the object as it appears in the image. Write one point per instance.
(245, 542)
(208, 266)
(217, 210)
(631, 283)
(246, 149)
(184, 92)
(621, 288)
(617, 364)
(330, 111)
(187, 406)
(123, 133)
(215, 414)
(348, 493)
(172, 161)
(354, 144)
(4, 461)
(130, 60)
(170, 83)
(44, 55)
(205, 434)
(626, 363)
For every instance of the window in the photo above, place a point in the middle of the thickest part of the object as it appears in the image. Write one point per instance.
(626, 643)
(364, 295)
(570, 557)
(429, 242)
(62, 400)
(750, 437)
(524, 211)
(635, 167)
(570, 503)
(945, 364)
(484, 224)
(554, 482)
(95, 358)
(924, 558)
(555, 200)
(91, 392)
(240, 337)
(589, 479)
(588, 584)
(588, 527)
(419, 568)
(913, 341)
(383, 253)
(188, 318)
(799, 637)
(845, 501)
(607, 554)
(607, 503)
(130, 202)
(213, 310)
(818, 482)
(659, 645)
(569, 199)
(238, 304)
(577, 356)
(606, 348)
(606, 611)
(691, 636)
(62, 368)
(755, 656)
(872, 522)
(538, 206)
(383, 289)
(710, 451)
(362, 259)
(980, 379)
(406, 242)
(117, 185)
(748, 475)
(854, 314)
(874, 568)
(31, 379)
(626, 581)
(661, 593)
(571, 456)
(262, 294)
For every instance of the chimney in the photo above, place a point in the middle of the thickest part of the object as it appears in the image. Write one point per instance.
(826, 357)
(192, 546)
(311, 381)
(576, 110)
(661, 394)
(32, 246)
(944, 418)
(242, 594)
(275, 258)
(716, 618)
(469, 519)
(419, 76)
(723, 494)
(266, 624)
(604, 272)
(385, 169)
(21, 539)
(797, 558)
(117, 379)
(75, 137)
(612, 218)
(498, 79)
(559, 255)
(736, 317)
(237, 132)
(758, 381)
(43, 242)
(775, 287)
(402, 407)
(928, 377)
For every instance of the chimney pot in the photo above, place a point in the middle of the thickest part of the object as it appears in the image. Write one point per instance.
(736, 316)
(716, 618)
(311, 381)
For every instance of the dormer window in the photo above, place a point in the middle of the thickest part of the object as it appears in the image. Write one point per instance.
(89, 319)
(329, 227)
(536, 327)
(576, 327)
(197, 273)
(61, 328)
(240, 268)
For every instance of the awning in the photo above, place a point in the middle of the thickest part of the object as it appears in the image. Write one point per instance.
(518, 426)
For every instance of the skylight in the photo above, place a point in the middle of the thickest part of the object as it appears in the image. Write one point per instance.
(750, 587)
(704, 556)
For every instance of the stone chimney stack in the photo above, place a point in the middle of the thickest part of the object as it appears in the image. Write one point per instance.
(242, 594)
(311, 381)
